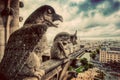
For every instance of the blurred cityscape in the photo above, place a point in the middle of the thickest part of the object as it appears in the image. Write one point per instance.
(101, 60)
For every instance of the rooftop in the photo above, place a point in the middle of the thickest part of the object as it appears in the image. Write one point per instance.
(114, 48)
(111, 49)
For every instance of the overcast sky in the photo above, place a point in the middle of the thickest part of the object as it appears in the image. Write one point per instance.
(91, 18)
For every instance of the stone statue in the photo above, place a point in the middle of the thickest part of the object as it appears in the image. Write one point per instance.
(63, 45)
(25, 46)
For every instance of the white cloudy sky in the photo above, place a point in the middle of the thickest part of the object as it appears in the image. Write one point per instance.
(91, 18)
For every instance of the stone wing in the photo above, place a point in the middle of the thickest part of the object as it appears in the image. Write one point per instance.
(17, 50)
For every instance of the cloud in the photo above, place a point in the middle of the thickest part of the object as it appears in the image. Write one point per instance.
(110, 7)
(92, 18)
(108, 31)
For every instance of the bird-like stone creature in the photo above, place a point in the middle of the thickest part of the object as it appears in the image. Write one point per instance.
(63, 45)
(23, 51)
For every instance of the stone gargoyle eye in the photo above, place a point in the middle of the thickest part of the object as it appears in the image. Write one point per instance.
(49, 11)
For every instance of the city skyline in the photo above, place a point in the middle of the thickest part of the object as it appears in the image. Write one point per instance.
(91, 18)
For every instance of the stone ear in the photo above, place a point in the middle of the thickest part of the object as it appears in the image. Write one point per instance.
(75, 33)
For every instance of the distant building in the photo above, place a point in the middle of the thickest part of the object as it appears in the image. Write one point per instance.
(108, 54)
(82, 46)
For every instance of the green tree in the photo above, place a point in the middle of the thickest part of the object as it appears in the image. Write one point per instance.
(84, 61)
(80, 69)
(87, 66)
(93, 55)
(97, 51)
(90, 65)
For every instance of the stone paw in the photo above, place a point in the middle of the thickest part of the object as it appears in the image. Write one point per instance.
(39, 74)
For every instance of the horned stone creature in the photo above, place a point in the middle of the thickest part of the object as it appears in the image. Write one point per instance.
(63, 45)
(25, 46)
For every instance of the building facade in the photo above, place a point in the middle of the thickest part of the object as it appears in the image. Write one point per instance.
(108, 54)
